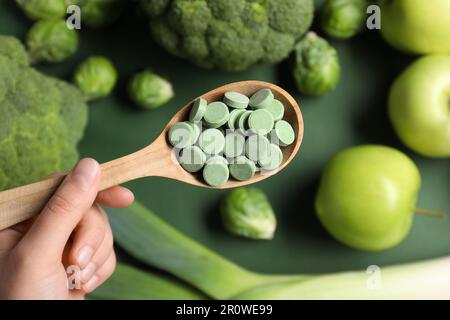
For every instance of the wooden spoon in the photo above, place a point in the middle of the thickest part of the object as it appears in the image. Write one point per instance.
(21, 203)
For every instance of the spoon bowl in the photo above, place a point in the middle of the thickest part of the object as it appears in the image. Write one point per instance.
(292, 115)
(157, 159)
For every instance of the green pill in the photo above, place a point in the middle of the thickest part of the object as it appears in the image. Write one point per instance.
(216, 114)
(234, 116)
(211, 141)
(284, 133)
(276, 109)
(236, 100)
(257, 147)
(181, 135)
(198, 110)
(216, 174)
(197, 131)
(236, 140)
(234, 145)
(219, 159)
(242, 168)
(242, 123)
(272, 160)
(260, 121)
(192, 159)
(261, 99)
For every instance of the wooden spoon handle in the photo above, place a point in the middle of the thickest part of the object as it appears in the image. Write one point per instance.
(21, 203)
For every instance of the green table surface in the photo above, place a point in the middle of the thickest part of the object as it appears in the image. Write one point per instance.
(353, 114)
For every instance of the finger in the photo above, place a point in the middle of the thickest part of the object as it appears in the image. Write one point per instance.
(102, 274)
(9, 239)
(24, 226)
(87, 238)
(64, 210)
(100, 256)
(115, 197)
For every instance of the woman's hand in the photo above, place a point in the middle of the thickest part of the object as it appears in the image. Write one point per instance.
(67, 250)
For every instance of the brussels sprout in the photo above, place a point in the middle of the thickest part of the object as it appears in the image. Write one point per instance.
(43, 9)
(98, 13)
(95, 77)
(343, 19)
(316, 65)
(247, 212)
(51, 41)
(150, 91)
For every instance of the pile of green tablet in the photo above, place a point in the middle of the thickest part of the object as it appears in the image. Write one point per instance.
(237, 136)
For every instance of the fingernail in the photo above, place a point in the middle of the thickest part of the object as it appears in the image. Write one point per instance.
(84, 256)
(85, 172)
(88, 272)
(91, 284)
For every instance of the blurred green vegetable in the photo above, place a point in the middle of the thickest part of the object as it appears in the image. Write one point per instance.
(248, 213)
(366, 196)
(316, 65)
(342, 19)
(424, 280)
(146, 237)
(43, 9)
(51, 41)
(95, 77)
(133, 284)
(41, 119)
(149, 90)
(98, 13)
(415, 26)
(229, 35)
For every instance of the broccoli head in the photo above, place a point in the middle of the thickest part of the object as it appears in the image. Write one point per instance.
(230, 35)
(41, 119)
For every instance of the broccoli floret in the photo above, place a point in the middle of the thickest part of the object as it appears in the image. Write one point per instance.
(277, 45)
(292, 17)
(189, 17)
(234, 47)
(255, 16)
(13, 49)
(41, 119)
(231, 35)
(164, 35)
(155, 7)
(226, 10)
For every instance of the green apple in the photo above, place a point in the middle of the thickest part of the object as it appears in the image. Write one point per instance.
(416, 26)
(419, 106)
(367, 196)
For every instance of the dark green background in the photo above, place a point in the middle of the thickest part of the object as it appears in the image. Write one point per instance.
(355, 113)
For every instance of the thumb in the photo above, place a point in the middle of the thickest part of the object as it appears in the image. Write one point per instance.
(53, 227)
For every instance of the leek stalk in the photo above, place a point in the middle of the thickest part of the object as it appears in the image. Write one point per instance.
(130, 283)
(148, 238)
